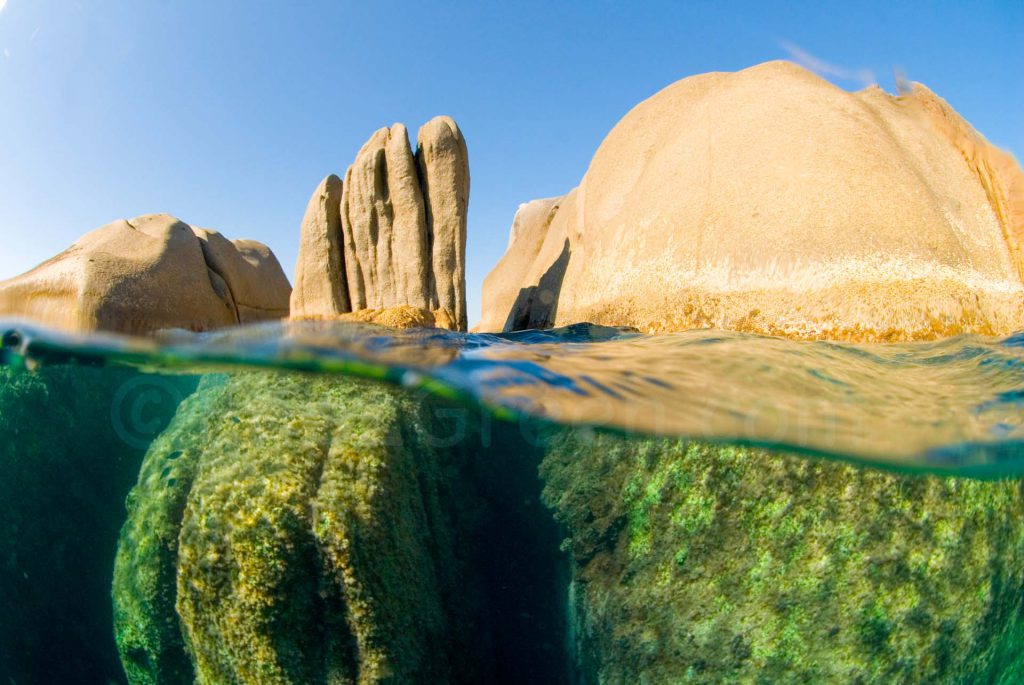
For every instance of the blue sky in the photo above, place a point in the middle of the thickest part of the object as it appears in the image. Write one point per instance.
(228, 114)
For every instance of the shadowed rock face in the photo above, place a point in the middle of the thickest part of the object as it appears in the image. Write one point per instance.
(393, 234)
(768, 200)
(149, 273)
(513, 289)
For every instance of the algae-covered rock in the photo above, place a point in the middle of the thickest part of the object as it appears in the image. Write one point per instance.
(71, 441)
(300, 529)
(148, 636)
(307, 529)
(699, 563)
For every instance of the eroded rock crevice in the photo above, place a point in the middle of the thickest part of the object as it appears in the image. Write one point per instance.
(393, 233)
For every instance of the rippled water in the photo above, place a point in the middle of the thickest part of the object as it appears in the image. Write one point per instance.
(954, 406)
(602, 514)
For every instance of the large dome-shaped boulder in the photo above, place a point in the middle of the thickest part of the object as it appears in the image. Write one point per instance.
(769, 200)
(151, 272)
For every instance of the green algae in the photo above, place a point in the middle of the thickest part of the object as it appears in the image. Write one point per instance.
(291, 528)
(699, 563)
(147, 631)
(306, 529)
(305, 539)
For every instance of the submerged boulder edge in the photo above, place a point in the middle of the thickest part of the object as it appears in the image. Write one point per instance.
(254, 549)
(321, 529)
(770, 201)
(140, 275)
(289, 529)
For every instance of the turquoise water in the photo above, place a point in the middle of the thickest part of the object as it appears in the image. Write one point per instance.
(953, 406)
(324, 503)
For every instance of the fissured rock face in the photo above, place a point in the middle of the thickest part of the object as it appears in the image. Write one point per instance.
(768, 200)
(444, 172)
(148, 273)
(393, 234)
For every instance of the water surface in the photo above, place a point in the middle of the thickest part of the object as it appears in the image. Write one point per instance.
(951, 407)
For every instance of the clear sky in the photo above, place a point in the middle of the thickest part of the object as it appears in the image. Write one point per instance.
(228, 114)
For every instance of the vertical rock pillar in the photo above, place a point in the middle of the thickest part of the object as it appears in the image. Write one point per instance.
(393, 234)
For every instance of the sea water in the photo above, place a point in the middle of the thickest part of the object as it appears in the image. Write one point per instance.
(696, 507)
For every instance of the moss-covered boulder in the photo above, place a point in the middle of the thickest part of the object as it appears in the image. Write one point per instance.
(307, 529)
(276, 536)
(695, 563)
(71, 441)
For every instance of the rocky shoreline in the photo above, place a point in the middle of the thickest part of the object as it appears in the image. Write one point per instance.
(300, 529)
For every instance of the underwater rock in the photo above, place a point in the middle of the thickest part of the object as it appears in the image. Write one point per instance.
(278, 535)
(71, 442)
(770, 201)
(400, 228)
(706, 564)
(147, 630)
(297, 529)
(150, 273)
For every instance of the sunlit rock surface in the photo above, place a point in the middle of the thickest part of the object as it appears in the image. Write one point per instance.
(148, 273)
(768, 200)
(393, 233)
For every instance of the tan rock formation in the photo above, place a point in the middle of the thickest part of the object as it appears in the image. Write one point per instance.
(320, 282)
(399, 221)
(444, 173)
(513, 291)
(402, 316)
(769, 200)
(384, 225)
(150, 273)
(257, 287)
